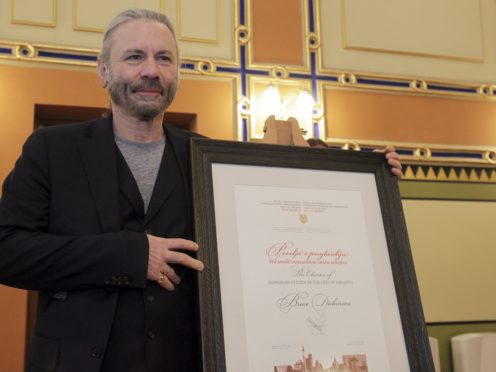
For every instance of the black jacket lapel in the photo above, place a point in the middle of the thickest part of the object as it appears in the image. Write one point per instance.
(129, 187)
(97, 149)
(168, 178)
(171, 171)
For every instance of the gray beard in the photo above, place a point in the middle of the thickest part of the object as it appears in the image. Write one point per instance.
(121, 94)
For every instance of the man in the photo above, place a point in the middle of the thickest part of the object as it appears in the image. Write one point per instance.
(85, 215)
(97, 216)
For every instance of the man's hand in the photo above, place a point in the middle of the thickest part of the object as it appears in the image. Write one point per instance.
(393, 160)
(161, 252)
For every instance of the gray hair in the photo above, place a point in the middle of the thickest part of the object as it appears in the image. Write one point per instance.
(129, 15)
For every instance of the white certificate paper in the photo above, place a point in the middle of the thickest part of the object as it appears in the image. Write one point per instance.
(304, 272)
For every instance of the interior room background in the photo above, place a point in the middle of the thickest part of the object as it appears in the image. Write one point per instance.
(420, 75)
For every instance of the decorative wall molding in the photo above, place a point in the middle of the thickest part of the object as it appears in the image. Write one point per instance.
(25, 13)
(441, 40)
(449, 173)
(430, 162)
(32, 52)
(311, 75)
(194, 12)
(96, 22)
(446, 42)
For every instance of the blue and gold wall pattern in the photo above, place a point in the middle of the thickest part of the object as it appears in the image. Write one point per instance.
(425, 162)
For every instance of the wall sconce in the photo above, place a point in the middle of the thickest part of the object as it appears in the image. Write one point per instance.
(271, 102)
(296, 103)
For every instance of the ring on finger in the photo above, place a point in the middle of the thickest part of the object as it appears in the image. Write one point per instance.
(161, 278)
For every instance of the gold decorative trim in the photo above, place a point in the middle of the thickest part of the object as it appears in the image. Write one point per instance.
(415, 54)
(33, 50)
(248, 26)
(418, 85)
(426, 153)
(344, 79)
(180, 37)
(313, 41)
(422, 165)
(236, 39)
(347, 78)
(279, 72)
(398, 52)
(243, 34)
(24, 51)
(211, 66)
(244, 106)
(420, 172)
(318, 32)
(411, 85)
(206, 67)
(51, 24)
(60, 48)
(309, 37)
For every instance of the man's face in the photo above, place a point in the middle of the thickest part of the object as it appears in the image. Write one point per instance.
(142, 71)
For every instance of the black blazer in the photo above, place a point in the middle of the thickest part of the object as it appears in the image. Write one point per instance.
(60, 234)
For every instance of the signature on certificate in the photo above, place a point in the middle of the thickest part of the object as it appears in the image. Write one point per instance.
(318, 302)
(317, 324)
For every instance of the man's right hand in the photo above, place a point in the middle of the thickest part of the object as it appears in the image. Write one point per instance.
(162, 252)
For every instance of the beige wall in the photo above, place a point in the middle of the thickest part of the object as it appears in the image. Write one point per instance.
(454, 251)
(444, 39)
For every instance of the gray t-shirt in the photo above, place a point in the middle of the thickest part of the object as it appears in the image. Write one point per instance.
(144, 161)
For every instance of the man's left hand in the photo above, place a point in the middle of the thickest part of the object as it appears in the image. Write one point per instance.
(393, 160)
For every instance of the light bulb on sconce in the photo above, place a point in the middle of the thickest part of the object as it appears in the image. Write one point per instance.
(271, 101)
(304, 106)
(297, 103)
(305, 103)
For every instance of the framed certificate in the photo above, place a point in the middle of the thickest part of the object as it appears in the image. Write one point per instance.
(307, 262)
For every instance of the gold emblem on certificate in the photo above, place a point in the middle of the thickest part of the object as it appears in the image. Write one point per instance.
(303, 218)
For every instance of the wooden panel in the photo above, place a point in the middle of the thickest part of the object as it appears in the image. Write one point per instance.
(453, 250)
(205, 29)
(277, 32)
(81, 23)
(198, 20)
(90, 15)
(34, 12)
(48, 86)
(442, 40)
(13, 306)
(408, 118)
(212, 102)
(447, 190)
(439, 29)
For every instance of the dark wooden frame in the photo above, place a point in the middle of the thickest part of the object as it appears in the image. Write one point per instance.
(206, 152)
